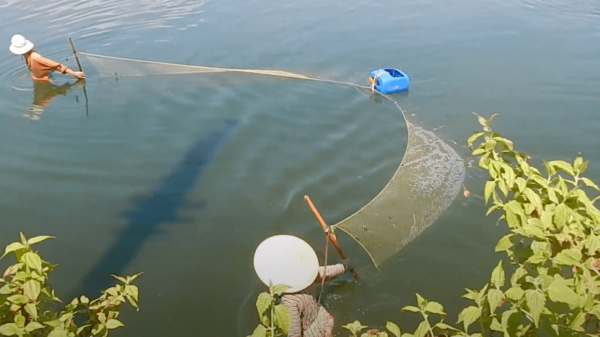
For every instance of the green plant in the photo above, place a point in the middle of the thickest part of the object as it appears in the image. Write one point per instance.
(274, 318)
(553, 248)
(27, 300)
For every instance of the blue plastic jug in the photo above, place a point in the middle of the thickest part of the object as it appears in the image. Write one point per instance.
(390, 80)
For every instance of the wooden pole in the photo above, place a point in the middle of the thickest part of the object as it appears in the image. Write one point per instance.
(75, 54)
(81, 70)
(331, 236)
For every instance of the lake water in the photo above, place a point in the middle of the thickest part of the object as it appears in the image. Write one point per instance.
(182, 178)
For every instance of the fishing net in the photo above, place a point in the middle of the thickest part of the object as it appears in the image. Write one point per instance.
(427, 181)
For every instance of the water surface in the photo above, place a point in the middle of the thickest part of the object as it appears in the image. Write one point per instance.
(181, 177)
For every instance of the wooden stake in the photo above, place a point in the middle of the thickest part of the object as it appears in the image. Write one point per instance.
(75, 54)
(331, 236)
(81, 70)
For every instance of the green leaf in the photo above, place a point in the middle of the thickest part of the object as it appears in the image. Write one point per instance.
(81, 328)
(17, 299)
(508, 143)
(489, 189)
(469, 315)
(435, 308)
(354, 327)
(578, 321)
(512, 220)
(119, 278)
(552, 195)
(590, 183)
(7, 289)
(58, 332)
(263, 302)
(529, 208)
(411, 308)
(534, 199)
(32, 326)
(279, 289)
(515, 207)
(521, 183)
(54, 323)
(31, 309)
(32, 289)
(131, 290)
(283, 317)
(113, 324)
(559, 291)
(260, 331)
(515, 293)
(495, 297)
(9, 329)
(444, 326)
(560, 215)
(532, 230)
(422, 329)
(562, 165)
(568, 257)
(596, 311)
(578, 164)
(133, 277)
(592, 244)
(12, 247)
(504, 243)
(537, 258)
(496, 326)
(393, 328)
(84, 300)
(481, 294)
(32, 260)
(493, 208)
(39, 239)
(472, 138)
(503, 187)
(97, 329)
(536, 301)
(498, 275)
(420, 300)
(549, 168)
(20, 320)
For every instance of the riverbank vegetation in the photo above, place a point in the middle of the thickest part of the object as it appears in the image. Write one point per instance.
(31, 308)
(551, 282)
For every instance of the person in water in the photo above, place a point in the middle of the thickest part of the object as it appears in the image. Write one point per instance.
(288, 260)
(39, 66)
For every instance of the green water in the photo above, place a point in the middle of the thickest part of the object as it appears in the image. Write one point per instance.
(181, 178)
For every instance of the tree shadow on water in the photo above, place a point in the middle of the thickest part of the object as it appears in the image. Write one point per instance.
(159, 207)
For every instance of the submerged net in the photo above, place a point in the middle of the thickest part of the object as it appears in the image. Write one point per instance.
(425, 184)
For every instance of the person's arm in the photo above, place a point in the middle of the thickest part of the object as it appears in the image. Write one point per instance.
(59, 67)
(330, 272)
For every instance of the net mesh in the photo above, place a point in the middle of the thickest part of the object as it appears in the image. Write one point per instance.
(110, 66)
(427, 181)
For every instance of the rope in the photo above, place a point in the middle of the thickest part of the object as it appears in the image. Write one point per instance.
(325, 272)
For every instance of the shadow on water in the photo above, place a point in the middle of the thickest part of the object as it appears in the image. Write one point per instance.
(159, 207)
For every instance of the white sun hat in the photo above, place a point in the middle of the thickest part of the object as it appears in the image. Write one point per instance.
(287, 260)
(20, 45)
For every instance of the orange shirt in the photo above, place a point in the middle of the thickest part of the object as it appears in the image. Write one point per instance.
(40, 67)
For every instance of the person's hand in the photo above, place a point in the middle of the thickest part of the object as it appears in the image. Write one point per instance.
(78, 75)
(347, 264)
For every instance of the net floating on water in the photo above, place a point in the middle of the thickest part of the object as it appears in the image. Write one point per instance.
(427, 181)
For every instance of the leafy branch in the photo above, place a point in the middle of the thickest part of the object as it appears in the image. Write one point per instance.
(26, 298)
